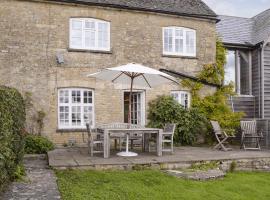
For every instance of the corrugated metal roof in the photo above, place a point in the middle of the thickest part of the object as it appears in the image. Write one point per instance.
(244, 31)
(195, 8)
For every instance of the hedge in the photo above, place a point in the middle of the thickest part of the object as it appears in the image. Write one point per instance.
(12, 120)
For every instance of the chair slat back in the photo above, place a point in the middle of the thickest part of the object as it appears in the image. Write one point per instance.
(216, 127)
(249, 127)
(119, 125)
(169, 128)
(89, 132)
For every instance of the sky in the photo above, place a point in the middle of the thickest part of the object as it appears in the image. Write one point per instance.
(240, 8)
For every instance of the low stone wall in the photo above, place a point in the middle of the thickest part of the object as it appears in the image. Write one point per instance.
(250, 164)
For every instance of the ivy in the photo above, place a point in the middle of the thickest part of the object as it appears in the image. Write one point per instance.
(215, 107)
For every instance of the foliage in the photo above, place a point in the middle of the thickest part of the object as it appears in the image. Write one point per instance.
(215, 107)
(204, 166)
(19, 172)
(214, 73)
(12, 120)
(165, 109)
(233, 166)
(35, 144)
(150, 184)
(40, 120)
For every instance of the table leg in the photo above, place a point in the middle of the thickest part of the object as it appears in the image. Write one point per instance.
(106, 144)
(159, 142)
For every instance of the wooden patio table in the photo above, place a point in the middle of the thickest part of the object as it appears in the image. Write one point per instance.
(107, 131)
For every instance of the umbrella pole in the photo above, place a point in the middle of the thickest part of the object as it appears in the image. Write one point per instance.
(129, 112)
(127, 153)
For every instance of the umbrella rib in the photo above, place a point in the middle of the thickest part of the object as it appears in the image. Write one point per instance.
(117, 77)
(146, 80)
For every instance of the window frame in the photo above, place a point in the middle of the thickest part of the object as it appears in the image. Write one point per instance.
(70, 104)
(83, 46)
(179, 93)
(185, 30)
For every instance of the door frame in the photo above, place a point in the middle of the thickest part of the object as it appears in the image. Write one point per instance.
(143, 102)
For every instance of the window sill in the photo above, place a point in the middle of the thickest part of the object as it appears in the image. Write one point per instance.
(78, 130)
(179, 56)
(89, 51)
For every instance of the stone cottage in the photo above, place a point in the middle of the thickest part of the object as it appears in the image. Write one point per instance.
(47, 47)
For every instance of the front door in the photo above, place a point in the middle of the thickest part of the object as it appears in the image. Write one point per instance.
(137, 107)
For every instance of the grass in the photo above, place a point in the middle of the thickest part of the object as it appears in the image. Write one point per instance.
(150, 184)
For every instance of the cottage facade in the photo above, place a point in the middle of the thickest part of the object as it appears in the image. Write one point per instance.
(248, 44)
(47, 48)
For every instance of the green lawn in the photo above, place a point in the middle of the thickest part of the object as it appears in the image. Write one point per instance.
(154, 185)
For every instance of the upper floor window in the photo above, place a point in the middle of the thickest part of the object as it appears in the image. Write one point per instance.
(89, 34)
(75, 108)
(179, 41)
(182, 97)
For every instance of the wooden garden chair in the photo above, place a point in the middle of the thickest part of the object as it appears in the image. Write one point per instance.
(95, 141)
(167, 138)
(250, 134)
(221, 136)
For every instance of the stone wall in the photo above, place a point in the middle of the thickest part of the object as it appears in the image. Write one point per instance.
(33, 32)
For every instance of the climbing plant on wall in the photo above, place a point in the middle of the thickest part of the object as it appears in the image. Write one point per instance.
(215, 106)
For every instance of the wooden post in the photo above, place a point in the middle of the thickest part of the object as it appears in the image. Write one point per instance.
(237, 70)
(250, 71)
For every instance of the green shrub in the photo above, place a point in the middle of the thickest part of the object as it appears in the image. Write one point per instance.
(12, 120)
(35, 144)
(189, 123)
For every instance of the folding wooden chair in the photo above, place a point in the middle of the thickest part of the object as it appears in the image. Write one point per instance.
(221, 137)
(250, 135)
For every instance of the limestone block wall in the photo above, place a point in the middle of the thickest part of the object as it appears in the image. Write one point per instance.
(33, 32)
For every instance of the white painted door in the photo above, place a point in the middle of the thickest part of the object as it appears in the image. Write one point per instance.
(137, 108)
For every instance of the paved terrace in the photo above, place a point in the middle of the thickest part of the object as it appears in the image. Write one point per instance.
(182, 157)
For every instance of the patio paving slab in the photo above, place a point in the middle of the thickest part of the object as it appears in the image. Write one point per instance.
(78, 157)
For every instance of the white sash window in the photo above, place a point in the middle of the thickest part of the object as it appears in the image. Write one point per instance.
(179, 41)
(182, 97)
(89, 34)
(75, 108)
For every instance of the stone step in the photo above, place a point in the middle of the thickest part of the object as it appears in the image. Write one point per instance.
(197, 175)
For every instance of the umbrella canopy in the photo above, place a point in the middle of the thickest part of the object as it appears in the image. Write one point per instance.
(140, 75)
(134, 75)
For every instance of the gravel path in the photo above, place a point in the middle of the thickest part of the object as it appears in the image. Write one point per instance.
(40, 183)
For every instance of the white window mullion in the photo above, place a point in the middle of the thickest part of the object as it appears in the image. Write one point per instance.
(70, 108)
(96, 35)
(82, 108)
(173, 40)
(83, 35)
(185, 42)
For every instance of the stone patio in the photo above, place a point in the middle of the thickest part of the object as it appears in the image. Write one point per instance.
(183, 157)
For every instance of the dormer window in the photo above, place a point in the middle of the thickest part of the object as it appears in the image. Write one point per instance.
(89, 34)
(179, 41)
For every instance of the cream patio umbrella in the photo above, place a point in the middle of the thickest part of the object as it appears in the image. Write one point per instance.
(133, 74)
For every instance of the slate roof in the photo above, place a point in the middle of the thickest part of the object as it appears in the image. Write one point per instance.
(244, 31)
(195, 8)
